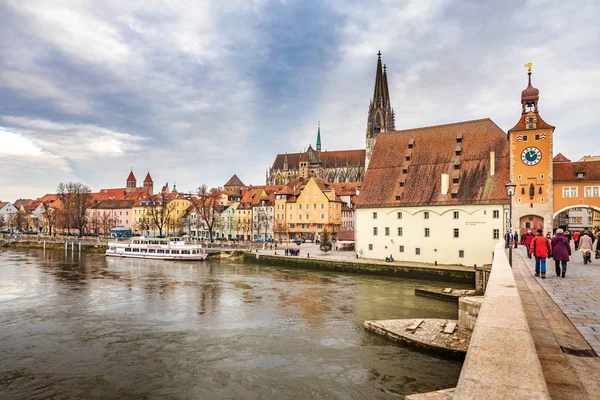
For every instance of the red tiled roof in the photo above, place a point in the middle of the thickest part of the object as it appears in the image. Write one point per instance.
(560, 158)
(119, 194)
(21, 202)
(567, 171)
(328, 159)
(433, 154)
(234, 181)
(131, 177)
(113, 204)
(148, 178)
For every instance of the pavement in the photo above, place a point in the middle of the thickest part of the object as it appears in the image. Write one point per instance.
(312, 250)
(557, 311)
(577, 295)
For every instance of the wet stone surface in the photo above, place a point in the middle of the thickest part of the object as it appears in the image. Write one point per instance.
(86, 327)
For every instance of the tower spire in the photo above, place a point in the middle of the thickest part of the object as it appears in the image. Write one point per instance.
(319, 137)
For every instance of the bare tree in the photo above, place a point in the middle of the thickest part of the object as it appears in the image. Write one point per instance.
(260, 221)
(77, 199)
(50, 216)
(207, 207)
(159, 211)
(281, 229)
(17, 220)
(244, 226)
(107, 222)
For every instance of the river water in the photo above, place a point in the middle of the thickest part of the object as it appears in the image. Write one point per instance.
(86, 327)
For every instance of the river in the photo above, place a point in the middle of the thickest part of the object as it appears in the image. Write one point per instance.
(86, 327)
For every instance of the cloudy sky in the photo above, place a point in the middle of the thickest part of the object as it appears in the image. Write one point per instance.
(197, 90)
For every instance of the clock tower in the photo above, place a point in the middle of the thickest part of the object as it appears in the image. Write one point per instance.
(531, 165)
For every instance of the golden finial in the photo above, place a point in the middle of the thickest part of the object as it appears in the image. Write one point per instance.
(528, 66)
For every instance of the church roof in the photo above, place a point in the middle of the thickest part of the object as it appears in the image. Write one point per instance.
(131, 177)
(234, 181)
(148, 178)
(567, 171)
(560, 158)
(433, 153)
(328, 159)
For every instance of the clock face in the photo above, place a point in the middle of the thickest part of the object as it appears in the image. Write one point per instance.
(531, 156)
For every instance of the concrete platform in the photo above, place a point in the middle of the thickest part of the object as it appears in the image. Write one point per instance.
(428, 335)
(443, 294)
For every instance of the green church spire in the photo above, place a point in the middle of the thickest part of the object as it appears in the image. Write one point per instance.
(319, 137)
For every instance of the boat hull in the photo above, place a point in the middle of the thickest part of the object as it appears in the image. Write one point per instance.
(181, 257)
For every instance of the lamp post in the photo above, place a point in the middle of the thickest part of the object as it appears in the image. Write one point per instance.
(510, 191)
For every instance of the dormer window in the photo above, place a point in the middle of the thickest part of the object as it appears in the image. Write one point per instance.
(580, 174)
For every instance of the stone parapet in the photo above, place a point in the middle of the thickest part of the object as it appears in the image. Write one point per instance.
(468, 311)
(501, 361)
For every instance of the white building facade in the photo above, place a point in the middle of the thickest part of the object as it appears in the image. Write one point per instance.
(462, 235)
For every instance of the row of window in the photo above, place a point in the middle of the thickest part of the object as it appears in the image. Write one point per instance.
(427, 232)
(305, 226)
(109, 213)
(461, 253)
(307, 216)
(455, 214)
(588, 191)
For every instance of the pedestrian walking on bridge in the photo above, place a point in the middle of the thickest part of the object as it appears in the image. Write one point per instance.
(586, 247)
(541, 249)
(561, 250)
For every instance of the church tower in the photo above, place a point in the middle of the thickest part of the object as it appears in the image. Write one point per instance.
(319, 138)
(149, 184)
(531, 141)
(131, 183)
(381, 113)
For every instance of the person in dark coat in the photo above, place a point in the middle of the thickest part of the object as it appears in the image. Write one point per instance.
(561, 250)
(516, 239)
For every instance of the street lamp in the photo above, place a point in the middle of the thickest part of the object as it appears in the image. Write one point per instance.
(510, 191)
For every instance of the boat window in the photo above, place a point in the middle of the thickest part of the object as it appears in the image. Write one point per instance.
(136, 250)
(185, 252)
(127, 249)
(167, 251)
(152, 251)
(113, 248)
(193, 251)
(143, 250)
(174, 251)
(160, 251)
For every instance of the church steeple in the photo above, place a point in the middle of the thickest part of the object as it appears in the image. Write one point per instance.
(319, 138)
(381, 114)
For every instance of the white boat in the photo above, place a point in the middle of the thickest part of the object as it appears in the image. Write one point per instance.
(157, 249)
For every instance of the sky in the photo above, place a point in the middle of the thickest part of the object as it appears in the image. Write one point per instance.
(195, 91)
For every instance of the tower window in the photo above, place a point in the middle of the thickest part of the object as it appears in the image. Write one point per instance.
(407, 158)
(458, 152)
(537, 137)
(426, 215)
(399, 215)
(455, 181)
(410, 145)
(455, 215)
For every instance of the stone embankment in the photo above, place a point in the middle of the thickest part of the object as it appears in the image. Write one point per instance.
(419, 271)
(88, 246)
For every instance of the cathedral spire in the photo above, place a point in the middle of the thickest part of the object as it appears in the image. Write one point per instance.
(319, 137)
(381, 115)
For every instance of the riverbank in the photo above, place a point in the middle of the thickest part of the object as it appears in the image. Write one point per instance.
(452, 273)
(86, 247)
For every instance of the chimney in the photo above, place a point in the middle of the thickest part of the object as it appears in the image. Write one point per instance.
(492, 164)
(445, 184)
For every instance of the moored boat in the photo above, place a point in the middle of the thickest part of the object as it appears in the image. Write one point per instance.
(157, 249)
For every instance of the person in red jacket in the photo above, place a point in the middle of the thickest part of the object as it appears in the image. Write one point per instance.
(528, 237)
(541, 249)
(576, 239)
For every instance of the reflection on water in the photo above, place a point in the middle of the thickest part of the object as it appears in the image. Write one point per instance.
(88, 327)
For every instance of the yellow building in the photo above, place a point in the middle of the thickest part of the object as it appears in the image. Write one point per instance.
(149, 218)
(303, 209)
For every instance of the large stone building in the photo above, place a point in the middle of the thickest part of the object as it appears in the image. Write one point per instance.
(435, 194)
(340, 165)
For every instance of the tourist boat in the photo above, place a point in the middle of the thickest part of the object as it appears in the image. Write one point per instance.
(157, 249)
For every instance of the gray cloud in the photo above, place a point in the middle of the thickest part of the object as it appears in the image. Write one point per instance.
(197, 91)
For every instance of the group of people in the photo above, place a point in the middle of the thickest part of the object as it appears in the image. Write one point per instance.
(558, 247)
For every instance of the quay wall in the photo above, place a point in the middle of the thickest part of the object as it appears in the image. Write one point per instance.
(501, 361)
(438, 274)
